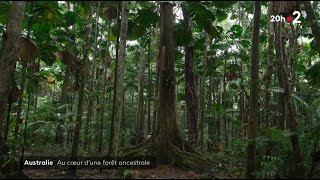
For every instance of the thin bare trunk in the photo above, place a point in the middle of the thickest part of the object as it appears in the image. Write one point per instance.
(140, 112)
(82, 75)
(254, 93)
(118, 105)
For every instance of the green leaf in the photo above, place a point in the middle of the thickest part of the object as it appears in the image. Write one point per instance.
(233, 17)
(217, 107)
(245, 43)
(223, 4)
(236, 30)
(300, 100)
(221, 15)
(300, 67)
(233, 86)
(233, 67)
(5, 7)
(147, 17)
(178, 55)
(313, 74)
(180, 97)
(201, 14)
(70, 18)
(135, 31)
(214, 32)
(181, 36)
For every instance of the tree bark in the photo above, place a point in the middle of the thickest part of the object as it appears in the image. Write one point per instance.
(82, 79)
(190, 84)
(298, 171)
(149, 88)
(8, 61)
(313, 22)
(212, 119)
(91, 82)
(140, 113)
(268, 73)
(168, 129)
(118, 105)
(22, 84)
(254, 93)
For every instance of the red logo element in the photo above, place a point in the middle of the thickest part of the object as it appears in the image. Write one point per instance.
(289, 18)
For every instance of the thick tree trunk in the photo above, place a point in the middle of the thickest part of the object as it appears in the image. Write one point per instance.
(254, 93)
(118, 105)
(82, 79)
(313, 22)
(140, 113)
(8, 61)
(166, 143)
(168, 129)
(190, 84)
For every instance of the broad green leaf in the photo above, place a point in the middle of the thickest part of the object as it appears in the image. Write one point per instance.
(5, 7)
(181, 36)
(236, 31)
(147, 17)
(245, 43)
(221, 15)
(70, 18)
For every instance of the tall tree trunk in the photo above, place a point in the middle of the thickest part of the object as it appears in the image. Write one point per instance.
(167, 92)
(190, 83)
(63, 100)
(313, 22)
(91, 81)
(212, 118)
(254, 93)
(8, 59)
(202, 91)
(149, 87)
(112, 128)
(140, 112)
(156, 95)
(268, 73)
(224, 103)
(82, 80)
(118, 105)
(298, 171)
